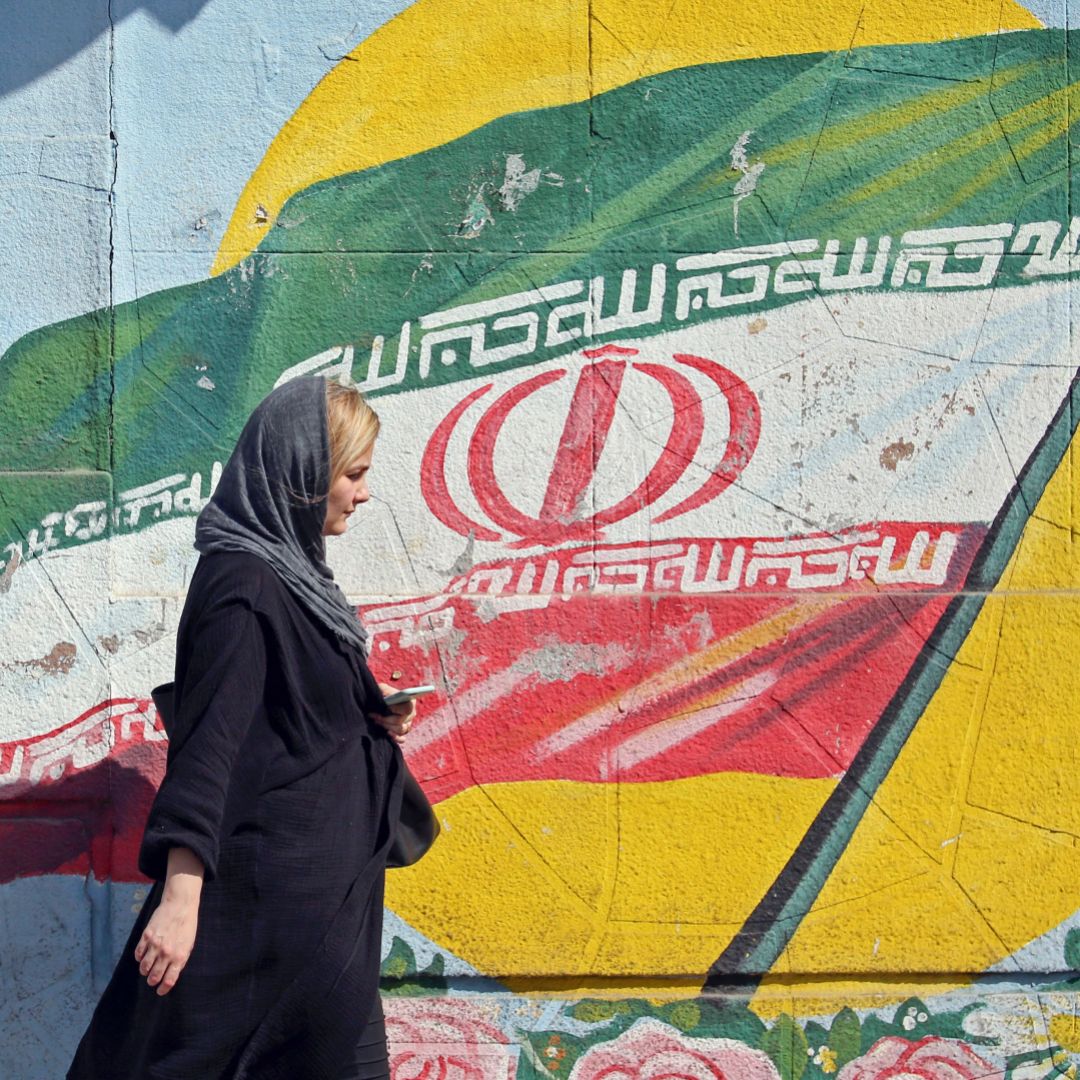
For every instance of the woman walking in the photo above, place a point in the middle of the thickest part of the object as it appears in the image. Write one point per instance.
(256, 954)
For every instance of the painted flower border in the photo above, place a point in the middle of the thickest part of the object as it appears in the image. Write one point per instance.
(1025, 1034)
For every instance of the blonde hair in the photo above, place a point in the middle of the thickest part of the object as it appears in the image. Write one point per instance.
(353, 426)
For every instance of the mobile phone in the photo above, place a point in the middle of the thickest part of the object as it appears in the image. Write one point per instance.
(400, 696)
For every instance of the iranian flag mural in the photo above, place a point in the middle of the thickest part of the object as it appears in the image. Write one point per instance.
(725, 493)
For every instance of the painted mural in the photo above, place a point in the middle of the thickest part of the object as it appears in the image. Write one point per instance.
(726, 492)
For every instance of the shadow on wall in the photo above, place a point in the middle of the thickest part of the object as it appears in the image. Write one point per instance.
(88, 822)
(44, 35)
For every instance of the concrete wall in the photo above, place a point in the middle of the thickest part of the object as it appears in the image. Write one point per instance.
(727, 492)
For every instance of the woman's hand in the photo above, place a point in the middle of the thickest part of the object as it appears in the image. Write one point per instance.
(401, 716)
(169, 937)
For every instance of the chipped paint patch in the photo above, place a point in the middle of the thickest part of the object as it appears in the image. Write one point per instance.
(747, 184)
(9, 571)
(477, 215)
(517, 183)
(896, 452)
(58, 661)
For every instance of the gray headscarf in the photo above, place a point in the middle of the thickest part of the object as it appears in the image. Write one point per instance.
(271, 502)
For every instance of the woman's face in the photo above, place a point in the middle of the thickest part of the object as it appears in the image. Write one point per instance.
(346, 493)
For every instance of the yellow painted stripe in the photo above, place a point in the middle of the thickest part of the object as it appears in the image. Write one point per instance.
(442, 68)
(1050, 112)
(869, 127)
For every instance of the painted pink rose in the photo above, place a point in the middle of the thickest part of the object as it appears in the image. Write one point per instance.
(650, 1050)
(445, 1039)
(932, 1058)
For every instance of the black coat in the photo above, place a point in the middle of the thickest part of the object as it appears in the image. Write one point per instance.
(285, 790)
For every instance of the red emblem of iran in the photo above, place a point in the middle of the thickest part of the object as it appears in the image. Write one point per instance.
(566, 513)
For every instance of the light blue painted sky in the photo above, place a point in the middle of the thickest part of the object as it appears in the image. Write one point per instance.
(1055, 12)
(200, 89)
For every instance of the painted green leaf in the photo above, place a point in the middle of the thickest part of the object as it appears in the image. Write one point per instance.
(845, 1036)
(1072, 949)
(730, 1019)
(598, 1012)
(786, 1045)
(400, 961)
(685, 1016)
(555, 1051)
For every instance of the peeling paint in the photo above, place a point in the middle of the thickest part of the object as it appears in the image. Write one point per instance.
(477, 215)
(896, 452)
(9, 571)
(746, 185)
(517, 182)
(58, 661)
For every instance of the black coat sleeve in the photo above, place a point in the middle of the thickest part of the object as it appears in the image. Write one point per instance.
(221, 689)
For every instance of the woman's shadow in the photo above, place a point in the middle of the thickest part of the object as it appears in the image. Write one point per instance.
(87, 822)
(39, 37)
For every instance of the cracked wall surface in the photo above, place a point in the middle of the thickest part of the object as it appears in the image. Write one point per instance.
(726, 491)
